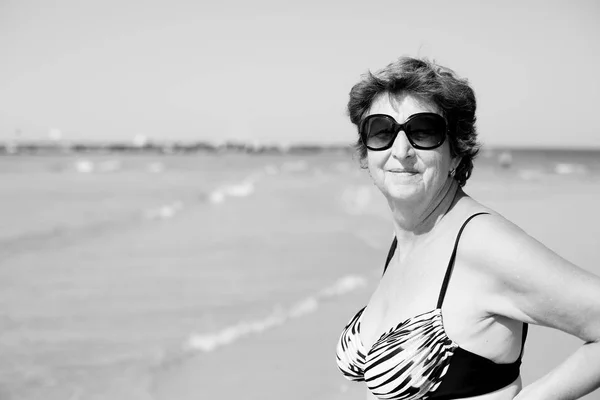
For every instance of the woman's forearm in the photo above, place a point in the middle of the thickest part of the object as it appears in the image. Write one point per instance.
(577, 376)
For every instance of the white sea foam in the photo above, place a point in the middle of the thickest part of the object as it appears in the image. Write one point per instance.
(216, 197)
(242, 189)
(568, 169)
(344, 285)
(304, 307)
(165, 211)
(84, 166)
(211, 341)
(248, 186)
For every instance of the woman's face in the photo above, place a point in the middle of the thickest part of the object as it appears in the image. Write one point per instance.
(403, 172)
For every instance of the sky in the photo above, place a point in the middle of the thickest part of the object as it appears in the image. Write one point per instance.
(271, 71)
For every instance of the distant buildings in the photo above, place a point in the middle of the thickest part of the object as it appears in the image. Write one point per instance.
(142, 145)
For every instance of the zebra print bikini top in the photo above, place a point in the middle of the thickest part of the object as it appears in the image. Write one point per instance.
(416, 359)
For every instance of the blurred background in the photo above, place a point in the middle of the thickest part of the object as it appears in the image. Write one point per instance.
(184, 217)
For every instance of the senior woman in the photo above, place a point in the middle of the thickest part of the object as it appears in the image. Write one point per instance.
(449, 317)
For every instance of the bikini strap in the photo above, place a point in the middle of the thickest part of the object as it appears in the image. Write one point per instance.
(523, 338)
(451, 262)
(390, 254)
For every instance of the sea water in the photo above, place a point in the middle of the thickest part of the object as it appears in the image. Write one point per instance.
(114, 267)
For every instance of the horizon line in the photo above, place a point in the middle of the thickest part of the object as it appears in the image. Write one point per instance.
(49, 143)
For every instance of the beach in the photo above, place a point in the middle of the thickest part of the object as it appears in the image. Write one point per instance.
(228, 276)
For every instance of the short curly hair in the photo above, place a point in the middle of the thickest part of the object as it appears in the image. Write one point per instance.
(434, 83)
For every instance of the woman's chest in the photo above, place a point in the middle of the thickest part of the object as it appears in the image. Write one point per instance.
(402, 293)
(421, 283)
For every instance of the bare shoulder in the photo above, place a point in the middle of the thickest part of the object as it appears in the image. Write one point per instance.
(491, 232)
(529, 282)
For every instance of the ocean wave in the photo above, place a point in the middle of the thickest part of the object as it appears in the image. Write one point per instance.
(165, 211)
(344, 285)
(570, 169)
(216, 197)
(247, 186)
(304, 307)
(241, 189)
(211, 341)
(105, 166)
(84, 166)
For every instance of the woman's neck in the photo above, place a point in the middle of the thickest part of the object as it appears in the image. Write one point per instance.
(414, 220)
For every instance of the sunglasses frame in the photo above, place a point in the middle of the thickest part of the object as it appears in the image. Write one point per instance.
(401, 127)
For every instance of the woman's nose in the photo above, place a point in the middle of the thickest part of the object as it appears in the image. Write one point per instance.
(401, 148)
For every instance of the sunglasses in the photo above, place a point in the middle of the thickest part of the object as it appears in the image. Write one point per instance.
(425, 131)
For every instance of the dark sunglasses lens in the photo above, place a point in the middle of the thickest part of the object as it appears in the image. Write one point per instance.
(379, 132)
(426, 131)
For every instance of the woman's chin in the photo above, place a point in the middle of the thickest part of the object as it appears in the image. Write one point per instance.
(408, 193)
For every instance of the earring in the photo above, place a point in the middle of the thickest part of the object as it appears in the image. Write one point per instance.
(452, 173)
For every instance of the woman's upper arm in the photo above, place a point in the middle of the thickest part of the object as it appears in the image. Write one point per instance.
(531, 283)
